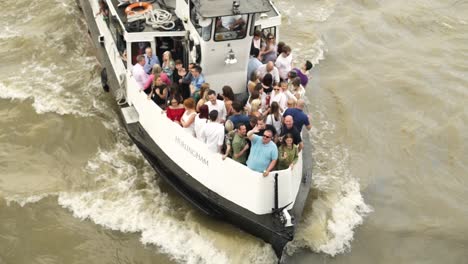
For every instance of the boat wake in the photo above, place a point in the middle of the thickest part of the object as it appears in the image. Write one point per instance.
(335, 206)
(118, 190)
(47, 64)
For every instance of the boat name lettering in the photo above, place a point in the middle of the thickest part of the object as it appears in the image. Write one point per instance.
(190, 150)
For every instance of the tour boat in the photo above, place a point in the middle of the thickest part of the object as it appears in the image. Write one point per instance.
(267, 207)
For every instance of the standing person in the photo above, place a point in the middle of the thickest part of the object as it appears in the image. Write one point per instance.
(298, 115)
(278, 96)
(139, 72)
(228, 98)
(104, 11)
(159, 93)
(289, 128)
(303, 72)
(263, 153)
(200, 121)
(268, 53)
(174, 93)
(270, 68)
(267, 83)
(253, 64)
(239, 145)
(287, 93)
(216, 104)
(297, 88)
(257, 43)
(275, 118)
(237, 117)
(187, 120)
(150, 60)
(197, 79)
(288, 153)
(178, 75)
(252, 82)
(201, 97)
(168, 64)
(156, 71)
(213, 133)
(284, 62)
(175, 110)
(184, 82)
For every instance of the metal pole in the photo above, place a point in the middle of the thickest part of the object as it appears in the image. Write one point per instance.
(276, 191)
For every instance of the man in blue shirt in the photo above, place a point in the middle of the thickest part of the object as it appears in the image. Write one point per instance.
(254, 63)
(237, 117)
(150, 60)
(197, 79)
(300, 118)
(263, 153)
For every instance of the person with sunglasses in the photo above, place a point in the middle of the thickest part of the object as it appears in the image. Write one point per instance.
(264, 153)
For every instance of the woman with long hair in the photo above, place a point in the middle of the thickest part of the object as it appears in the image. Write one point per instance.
(200, 120)
(188, 118)
(175, 110)
(228, 97)
(202, 96)
(156, 70)
(275, 118)
(252, 82)
(268, 53)
(287, 153)
(168, 64)
(158, 92)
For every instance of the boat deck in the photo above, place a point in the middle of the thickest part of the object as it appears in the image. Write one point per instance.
(170, 7)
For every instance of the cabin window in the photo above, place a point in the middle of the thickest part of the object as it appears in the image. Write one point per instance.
(231, 27)
(203, 26)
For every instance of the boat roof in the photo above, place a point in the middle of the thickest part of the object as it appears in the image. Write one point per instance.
(170, 7)
(216, 8)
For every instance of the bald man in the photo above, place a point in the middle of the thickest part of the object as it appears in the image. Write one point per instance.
(300, 118)
(268, 68)
(289, 128)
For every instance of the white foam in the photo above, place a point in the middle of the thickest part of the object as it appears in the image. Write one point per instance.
(7, 32)
(22, 200)
(124, 198)
(48, 87)
(330, 218)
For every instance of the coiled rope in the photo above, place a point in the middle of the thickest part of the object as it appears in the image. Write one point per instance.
(156, 18)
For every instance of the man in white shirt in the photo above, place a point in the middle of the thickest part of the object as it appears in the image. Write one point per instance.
(213, 133)
(268, 68)
(216, 104)
(284, 62)
(139, 72)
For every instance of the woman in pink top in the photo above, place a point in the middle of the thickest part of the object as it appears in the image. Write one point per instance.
(156, 70)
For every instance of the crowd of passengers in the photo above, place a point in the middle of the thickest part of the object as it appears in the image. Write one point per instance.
(263, 133)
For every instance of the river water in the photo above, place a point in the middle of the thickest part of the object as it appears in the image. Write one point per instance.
(389, 101)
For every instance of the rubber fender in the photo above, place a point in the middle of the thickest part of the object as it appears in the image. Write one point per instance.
(104, 84)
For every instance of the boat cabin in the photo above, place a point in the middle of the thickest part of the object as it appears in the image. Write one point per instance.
(214, 34)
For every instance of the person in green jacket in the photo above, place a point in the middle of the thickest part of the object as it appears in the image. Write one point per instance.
(288, 153)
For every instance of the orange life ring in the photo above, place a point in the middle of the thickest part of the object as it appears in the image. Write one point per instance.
(147, 6)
